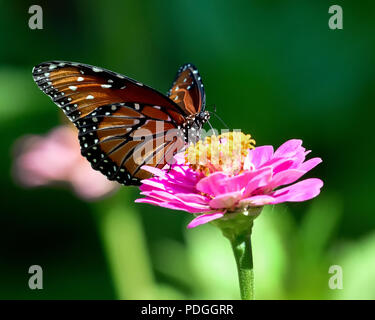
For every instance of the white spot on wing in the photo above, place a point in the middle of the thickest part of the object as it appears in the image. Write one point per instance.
(90, 97)
(80, 79)
(74, 88)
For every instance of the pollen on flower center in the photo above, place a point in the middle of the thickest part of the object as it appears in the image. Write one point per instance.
(225, 152)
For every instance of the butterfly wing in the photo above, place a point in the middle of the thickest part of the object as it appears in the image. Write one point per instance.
(187, 90)
(118, 139)
(122, 123)
(78, 89)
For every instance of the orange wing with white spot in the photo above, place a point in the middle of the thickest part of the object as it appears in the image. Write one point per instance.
(122, 123)
(78, 89)
(187, 90)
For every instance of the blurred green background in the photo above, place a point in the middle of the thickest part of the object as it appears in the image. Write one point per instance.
(273, 69)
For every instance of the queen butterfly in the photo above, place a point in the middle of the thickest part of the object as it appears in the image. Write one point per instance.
(124, 124)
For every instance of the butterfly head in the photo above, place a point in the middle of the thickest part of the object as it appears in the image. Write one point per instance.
(203, 117)
(193, 125)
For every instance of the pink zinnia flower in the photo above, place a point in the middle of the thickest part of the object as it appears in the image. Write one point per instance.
(56, 157)
(219, 176)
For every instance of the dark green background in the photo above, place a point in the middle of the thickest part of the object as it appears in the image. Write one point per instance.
(273, 69)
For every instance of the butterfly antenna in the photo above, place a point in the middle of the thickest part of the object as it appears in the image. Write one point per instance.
(213, 106)
(212, 128)
(221, 120)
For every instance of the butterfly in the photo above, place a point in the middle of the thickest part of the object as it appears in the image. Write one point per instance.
(124, 124)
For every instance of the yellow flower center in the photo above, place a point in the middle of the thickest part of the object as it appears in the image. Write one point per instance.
(226, 152)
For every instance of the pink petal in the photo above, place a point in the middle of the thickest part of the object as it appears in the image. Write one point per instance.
(180, 158)
(168, 197)
(152, 183)
(237, 182)
(186, 177)
(170, 205)
(285, 177)
(260, 179)
(212, 184)
(165, 185)
(279, 164)
(192, 198)
(260, 155)
(256, 201)
(289, 149)
(282, 164)
(309, 164)
(155, 171)
(173, 196)
(219, 183)
(292, 150)
(301, 191)
(160, 204)
(227, 200)
(159, 194)
(204, 218)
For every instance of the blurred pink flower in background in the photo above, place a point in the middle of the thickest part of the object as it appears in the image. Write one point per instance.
(56, 157)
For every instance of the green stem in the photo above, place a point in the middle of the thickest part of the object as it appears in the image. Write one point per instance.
(237, 228)
(244, 258)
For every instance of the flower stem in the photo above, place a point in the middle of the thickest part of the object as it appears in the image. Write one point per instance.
(237, 228)
(244, 258)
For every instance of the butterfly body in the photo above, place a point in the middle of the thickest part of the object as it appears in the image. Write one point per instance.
(193, 124)
(124, 124)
